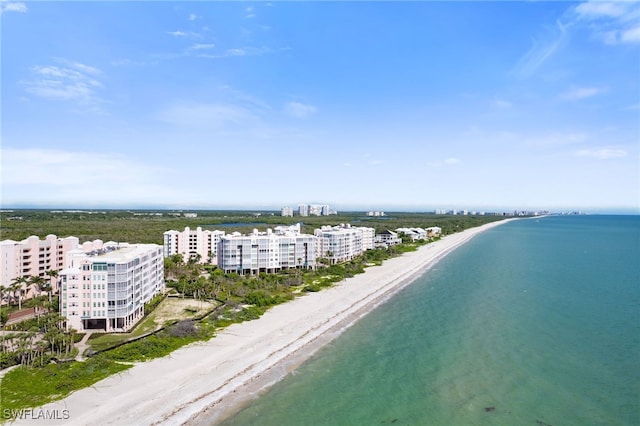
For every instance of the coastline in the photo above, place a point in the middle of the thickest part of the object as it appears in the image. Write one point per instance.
(206, 382)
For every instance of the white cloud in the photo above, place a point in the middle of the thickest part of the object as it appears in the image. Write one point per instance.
(236, 52)
(601, 153)
(177, 33)
(591, 9)
(556, 139)
(612, 22)
(72, 82)
(33, 166)
(540, 51)
(581, 93)
(250, 12)
(13, 7)
(451, 161)
(299, 110)
(207, 115)
(632, 35)
(501, 103)
(240, 52)
(86, 177)
(193, 17)
(202, 46)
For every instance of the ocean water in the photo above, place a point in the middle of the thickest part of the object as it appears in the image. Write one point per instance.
(535, 322)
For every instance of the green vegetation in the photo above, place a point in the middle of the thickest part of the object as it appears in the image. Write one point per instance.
(160, 344)
(32, 387)
(141, 227)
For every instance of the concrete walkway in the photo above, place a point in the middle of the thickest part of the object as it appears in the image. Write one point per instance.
(82, 346)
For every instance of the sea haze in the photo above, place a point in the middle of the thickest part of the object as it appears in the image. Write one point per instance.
(532, 322)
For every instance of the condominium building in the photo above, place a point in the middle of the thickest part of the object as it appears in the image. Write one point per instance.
(387, 238)
(343, 242)
(267, 251)
(433, 231)
(106, 287)
(414, 234)
(33, 256)
(286, 211)
(193, 244)
(303, 210)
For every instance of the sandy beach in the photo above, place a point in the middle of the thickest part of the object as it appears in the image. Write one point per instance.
(204, 382)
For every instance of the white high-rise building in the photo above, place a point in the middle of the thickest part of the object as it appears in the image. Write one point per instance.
(267, 251)
(286, 211)
(343, 242)
(303, 210)
(193, 243)
(106, 288)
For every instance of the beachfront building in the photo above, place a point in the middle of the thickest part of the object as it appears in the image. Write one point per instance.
(387, 238)
(33, 257)
(434, 231)
(196, 244)
(414, 234)
(105, 286)
(269, 251)
(342, 243)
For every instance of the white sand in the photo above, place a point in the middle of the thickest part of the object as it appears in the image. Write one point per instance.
(202, 382)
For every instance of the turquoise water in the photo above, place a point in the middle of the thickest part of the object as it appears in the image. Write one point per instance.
(534, 322)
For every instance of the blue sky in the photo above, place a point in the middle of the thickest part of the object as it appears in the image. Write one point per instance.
(362, 105)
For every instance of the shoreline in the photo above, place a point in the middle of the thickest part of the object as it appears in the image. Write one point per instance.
(207, 382)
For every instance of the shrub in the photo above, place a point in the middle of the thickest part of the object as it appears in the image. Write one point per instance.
(182, 329)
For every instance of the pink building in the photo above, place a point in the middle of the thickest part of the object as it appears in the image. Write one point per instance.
(33, 256)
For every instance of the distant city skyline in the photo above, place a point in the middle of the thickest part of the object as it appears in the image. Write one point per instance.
(398, 106)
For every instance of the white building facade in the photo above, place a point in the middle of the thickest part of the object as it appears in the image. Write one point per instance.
(414, 234)
(267, 251)
(387, 238)
(343, 242)
(193, 243)
(106, 288)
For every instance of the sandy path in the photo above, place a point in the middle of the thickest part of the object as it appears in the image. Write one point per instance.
(195, 384)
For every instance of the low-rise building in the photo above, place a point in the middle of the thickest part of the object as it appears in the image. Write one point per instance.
(434, 231)
(387, 238)
(414, 234)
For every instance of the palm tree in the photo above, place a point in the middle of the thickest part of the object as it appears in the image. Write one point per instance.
(40, 283)
(17, 285)
(4, 292)
(52, 274)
